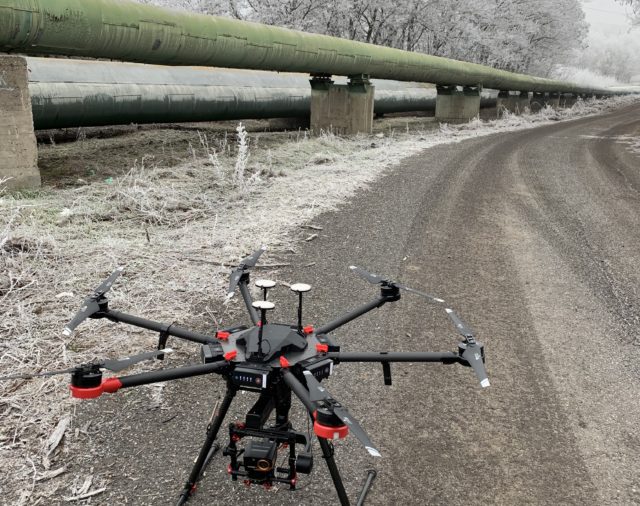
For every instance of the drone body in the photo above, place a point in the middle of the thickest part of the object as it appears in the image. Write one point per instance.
(275, 361)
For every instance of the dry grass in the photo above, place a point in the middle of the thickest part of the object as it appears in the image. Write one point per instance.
(173, 229)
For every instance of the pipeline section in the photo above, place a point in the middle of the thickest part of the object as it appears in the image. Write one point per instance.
(127, 31)
(73, 93)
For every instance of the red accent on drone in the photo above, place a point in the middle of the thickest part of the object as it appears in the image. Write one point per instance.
(259, 324)
(111, 385)
(308, 329)
(230, 355)
(328, 432)
(322, 348)
(85, 393)
(223, 335)
(284, 363)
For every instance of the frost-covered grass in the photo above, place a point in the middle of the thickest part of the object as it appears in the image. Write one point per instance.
(176, 231)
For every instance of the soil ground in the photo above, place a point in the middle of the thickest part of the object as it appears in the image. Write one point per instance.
(532, 237)
(528, 234)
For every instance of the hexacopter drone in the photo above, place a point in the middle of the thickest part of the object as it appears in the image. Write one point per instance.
(273, 360)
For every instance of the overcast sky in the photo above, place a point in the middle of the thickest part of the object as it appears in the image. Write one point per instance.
(606, 16)
(609, 22)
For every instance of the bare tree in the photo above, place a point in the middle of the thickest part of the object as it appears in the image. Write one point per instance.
(634, 15)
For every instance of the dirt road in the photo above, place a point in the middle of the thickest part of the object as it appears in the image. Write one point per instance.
(534, 237)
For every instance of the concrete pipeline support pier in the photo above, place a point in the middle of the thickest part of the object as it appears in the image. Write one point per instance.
(18, 150)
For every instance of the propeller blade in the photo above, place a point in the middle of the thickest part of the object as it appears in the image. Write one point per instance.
(245, 263)
(368, 276)
(355, 428)
(233, 282)
(90, 304)
(252, 259)
(473, 355)
(375, 279)
(38, 374)
(105, 286)
(318, 393)
(427, 296)
(461, 326)
(117, 365)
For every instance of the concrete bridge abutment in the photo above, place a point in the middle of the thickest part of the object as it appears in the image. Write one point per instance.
(344, 109)
(18, 148)
(454, 105)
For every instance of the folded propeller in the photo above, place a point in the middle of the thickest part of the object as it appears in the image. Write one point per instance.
(90, 305)
(318, 393)
(244, 265)
(470, 350)
(113, 365)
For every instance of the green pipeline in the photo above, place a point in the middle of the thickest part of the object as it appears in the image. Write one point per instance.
(127, 31)
(72, 93)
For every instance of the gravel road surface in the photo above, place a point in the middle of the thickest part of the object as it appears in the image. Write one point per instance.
(534, 238)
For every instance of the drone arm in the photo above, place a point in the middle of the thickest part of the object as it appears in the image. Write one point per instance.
(385, 358)
(188, 371)
(113, 384)
(352, 315)
(472, 359)
(299, 390)
(446, 357)
(169, 330)
(302, 393)
(248, 301)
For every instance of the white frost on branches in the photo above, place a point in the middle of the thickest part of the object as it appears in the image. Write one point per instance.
(540, 37)
(515, 35)
(242, 156)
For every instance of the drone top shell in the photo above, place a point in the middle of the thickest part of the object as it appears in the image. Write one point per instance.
(263, 304)
(265, 283)
(300, 287)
